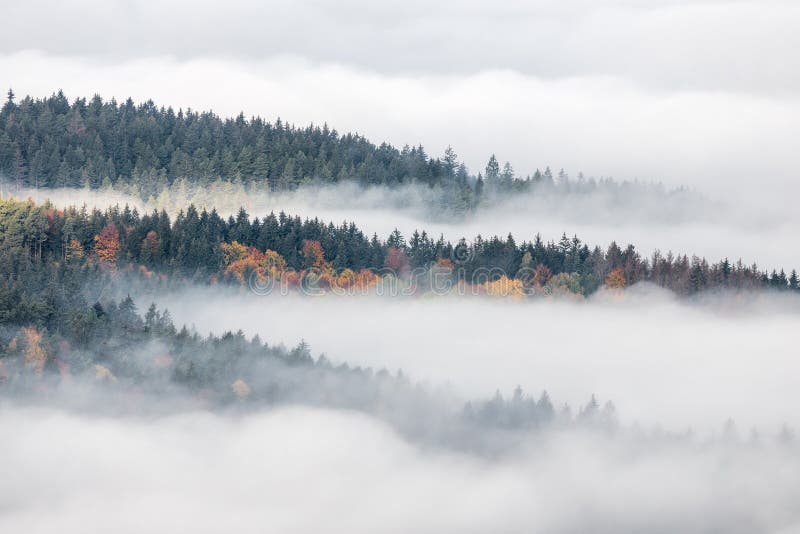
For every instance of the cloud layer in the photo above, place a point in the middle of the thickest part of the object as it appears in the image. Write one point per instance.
(297, 470)
(714, 45)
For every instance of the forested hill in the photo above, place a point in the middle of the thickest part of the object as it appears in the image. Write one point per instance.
(52, 142)
(144, 148)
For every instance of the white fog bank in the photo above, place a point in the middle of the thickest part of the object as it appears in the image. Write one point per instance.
(298, 471)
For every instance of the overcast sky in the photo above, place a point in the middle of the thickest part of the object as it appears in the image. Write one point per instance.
(700, 93)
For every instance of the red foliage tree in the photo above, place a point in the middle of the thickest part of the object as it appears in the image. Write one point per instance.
(396, 260)
(541, 275)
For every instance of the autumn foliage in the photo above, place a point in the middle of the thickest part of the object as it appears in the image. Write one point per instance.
(541, 275)
(35, 355)
(103, 374)
(106, 245)
(445, 263)
(314, 256)
(616, 279)
(396, 260)
(503, 287)
(74, 251)
(349, 279)
(242, 261)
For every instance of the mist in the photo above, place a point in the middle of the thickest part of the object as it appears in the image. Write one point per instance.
(294, 469)
(631, 409)
(659, 359)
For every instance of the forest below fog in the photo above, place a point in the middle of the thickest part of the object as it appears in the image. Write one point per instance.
(63, 267)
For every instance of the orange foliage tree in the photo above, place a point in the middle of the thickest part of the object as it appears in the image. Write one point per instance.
(106, 245)
(349, 279)
(240, 261)
(616, 279)
(318, 273)
(314, 256)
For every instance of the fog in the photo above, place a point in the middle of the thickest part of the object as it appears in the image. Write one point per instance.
(229, 435)
(660, 360)
(73, 464)
(293, 470)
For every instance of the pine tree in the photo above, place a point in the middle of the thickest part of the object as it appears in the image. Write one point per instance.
(450, 161)
(9, 105)
(492, 170)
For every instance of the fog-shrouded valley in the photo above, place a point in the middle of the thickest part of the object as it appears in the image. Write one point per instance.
(392, 267)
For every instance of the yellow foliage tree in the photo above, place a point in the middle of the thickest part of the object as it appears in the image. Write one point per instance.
(347, 278)
(233, 252)
(273, 262)
(35, 355)
(505, 287)
(74, 251)
(240, 389)
(103, 374)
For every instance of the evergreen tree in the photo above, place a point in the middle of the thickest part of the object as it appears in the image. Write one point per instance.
(492, 170)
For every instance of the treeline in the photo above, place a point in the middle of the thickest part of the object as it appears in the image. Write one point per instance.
(145, 149)
(204, 247)
(52, 142)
